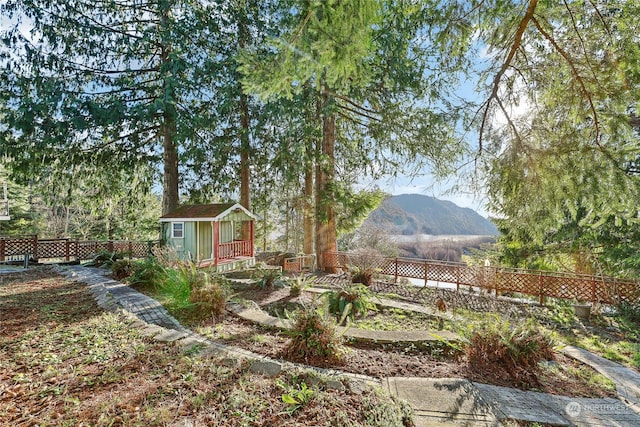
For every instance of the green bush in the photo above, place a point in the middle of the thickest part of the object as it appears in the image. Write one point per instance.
(121, 269)
(313, 338)
(349, 302)
(146, 274)
(518, 350)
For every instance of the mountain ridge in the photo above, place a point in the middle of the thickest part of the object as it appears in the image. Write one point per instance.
(410, 214)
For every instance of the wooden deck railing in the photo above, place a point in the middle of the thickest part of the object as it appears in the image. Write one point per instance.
(16, 248)
(299, 263)
(541, 284)
(235, 249)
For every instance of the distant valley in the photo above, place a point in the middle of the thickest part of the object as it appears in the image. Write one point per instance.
(411, 214)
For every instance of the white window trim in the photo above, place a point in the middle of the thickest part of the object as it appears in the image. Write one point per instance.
(173, 230)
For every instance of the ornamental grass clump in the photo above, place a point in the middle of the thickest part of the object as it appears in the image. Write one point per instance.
(313, 339)
(516, 350)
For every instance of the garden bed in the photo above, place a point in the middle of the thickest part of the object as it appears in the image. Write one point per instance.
(563, 376)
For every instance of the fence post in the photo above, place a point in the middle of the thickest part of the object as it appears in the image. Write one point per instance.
(77, 250)
(541, 288)
(426, 274)
(109, 245)
(593, 290)
(35, 247)
(2, 249)
(130, 249)
(395, 280)
(66, 249)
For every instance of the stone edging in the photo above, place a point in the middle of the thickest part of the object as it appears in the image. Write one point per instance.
(154, 321)
(385, 337)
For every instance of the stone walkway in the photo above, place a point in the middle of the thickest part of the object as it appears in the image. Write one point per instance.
(436, 402)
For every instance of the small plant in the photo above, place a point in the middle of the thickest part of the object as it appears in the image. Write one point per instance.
(121, 269)
(518, 350)
(350, 302)
(295, 396)
(299, 284)
(363, 276)
(269, 277)
(313, 338)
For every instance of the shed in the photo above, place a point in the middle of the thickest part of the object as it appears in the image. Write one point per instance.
(218, 235)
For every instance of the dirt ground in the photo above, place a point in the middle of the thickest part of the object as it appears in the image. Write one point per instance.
(66, 362)
(562, 376)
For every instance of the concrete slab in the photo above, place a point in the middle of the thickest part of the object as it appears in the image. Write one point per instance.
(449, 401)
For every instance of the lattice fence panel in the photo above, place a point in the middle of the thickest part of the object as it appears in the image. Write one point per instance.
(614, 292)
(411, 269)
(511, 281)
(86, 250)
(442, 273)
(568, 287)
(120, 246)
(471, 275)
(53, 248)
(141, 249)
(19, 247)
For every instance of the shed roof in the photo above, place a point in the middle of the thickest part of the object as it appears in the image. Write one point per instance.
(208, 212)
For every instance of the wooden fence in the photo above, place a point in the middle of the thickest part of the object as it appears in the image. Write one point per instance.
(17, 248)
(541, 284)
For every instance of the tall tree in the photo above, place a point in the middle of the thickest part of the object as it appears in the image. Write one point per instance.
(115, 84)
(558, 168)
(373, 99)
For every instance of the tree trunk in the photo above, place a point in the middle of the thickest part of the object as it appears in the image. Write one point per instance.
(170, 157)
(245, 147)
(312, 117)
(170, 198)
(308, 207)
(325, 174)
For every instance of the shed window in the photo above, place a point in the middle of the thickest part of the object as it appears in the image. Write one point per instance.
(177, 230)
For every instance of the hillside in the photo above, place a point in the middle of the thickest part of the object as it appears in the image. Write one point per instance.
(418, 214)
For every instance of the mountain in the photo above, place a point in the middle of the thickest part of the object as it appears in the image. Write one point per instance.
(418, 214)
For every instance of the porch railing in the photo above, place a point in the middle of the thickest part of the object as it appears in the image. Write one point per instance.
(235, 249)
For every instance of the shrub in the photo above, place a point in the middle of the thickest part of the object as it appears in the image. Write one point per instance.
(146, 274)
(516, 350)
(350, 302)
(210, 298)
(313, 338)
(175, 284)
(364, 277)
(121, 269)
